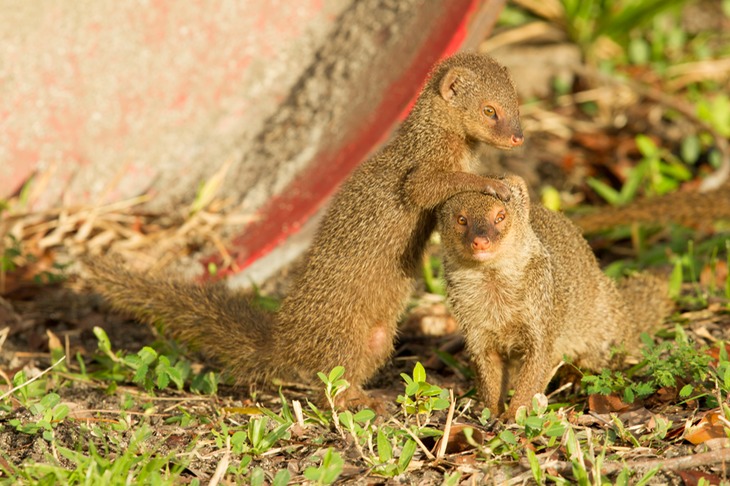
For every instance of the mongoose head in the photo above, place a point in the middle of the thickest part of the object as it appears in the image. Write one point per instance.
(477, 228)
(480, 99)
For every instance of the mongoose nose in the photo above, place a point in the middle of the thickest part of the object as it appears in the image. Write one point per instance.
(480, 243)
(517, 140)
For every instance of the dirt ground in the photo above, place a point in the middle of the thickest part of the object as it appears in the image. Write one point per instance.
(564, 146)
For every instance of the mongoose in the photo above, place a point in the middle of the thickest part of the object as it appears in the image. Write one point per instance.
(526, 290)
(359, 271)
(686, 208)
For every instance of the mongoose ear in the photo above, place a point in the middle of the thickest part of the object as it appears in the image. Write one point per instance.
(451, 82)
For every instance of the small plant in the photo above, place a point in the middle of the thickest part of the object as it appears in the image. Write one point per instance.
(257, 438)
(335, 384)
(421, 397)
(328, 471)
(658, 172)
(148, 368)
(387, 464)
(89, 465)
(668, 364)
(51, 412)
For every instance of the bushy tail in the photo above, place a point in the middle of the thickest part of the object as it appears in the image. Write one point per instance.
(647, 303)
(686, 208)
(224, 325)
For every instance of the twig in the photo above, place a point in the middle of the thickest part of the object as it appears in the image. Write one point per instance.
(297, 407)
(447, 428)
(674, 464)
(222, 466)
(9, 392)
(415, 437)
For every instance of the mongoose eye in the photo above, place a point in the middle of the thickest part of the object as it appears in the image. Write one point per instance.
(461, 220)
(500, 217)
(490, 111)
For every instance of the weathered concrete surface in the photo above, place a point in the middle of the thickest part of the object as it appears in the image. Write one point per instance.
(106, 99)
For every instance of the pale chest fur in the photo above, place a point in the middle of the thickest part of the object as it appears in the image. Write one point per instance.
(488, 306)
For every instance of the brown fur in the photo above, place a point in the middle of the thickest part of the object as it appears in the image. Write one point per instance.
(686, 208)
(359, 271)
(538, 294)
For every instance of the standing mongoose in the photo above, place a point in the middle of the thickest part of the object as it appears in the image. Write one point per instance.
(358, 274)
(526, 290)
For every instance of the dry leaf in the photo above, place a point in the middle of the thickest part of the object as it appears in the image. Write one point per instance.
(53, 341)
(603, 404)
(709, 427)
(714, 351)
(692, 478)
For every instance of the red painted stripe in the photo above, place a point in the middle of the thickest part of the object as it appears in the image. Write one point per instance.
(304, 196)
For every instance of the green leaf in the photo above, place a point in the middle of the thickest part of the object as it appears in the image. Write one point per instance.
(686, 391)
(440, 404)
(639, 51)
(608, 193)
(346, 419)
(537, 473)
(629, 396)
(534, 423)
(385, 450)
(140, 375)
(147, 355)
(60, 412)
(364, 415)
(103, 340)
(690, 149)
(238, 438)
(336, 373)
(412, 388)
(333, 464)
(675, 279)
(163, 379)
(646, 146)
(406, 455)
(257, 477)
(419, 373)
(556, 429)
(633, 182)
(282, 478)
(508, 437)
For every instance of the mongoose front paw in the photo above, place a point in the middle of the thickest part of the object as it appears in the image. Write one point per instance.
(498, 189)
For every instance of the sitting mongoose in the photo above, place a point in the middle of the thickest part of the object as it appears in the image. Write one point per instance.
(526, 290)
(359, 272)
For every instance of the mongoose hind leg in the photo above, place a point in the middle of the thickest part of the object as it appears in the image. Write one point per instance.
(379, 347)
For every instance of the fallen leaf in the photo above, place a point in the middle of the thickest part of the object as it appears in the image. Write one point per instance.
(692, 478)
(709, 427)
(53, 341)
(639, 416)
(469, 459)
(666, 394)
(603, 404)
(714, 352)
